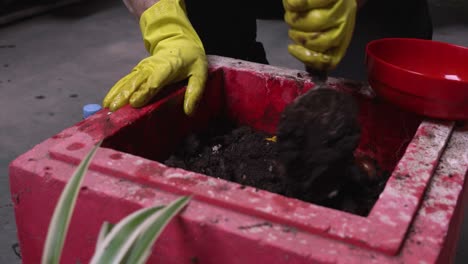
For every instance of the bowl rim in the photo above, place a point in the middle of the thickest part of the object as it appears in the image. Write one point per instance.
(431, 77)
(401, 98)
(405, 93)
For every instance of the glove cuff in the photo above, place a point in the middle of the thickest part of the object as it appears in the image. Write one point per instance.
(166, 19)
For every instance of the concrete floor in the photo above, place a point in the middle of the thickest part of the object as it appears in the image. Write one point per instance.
(60, 62)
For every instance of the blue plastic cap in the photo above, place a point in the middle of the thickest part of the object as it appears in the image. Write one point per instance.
(90, 109)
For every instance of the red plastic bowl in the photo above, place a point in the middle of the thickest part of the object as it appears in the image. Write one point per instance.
(426, 77)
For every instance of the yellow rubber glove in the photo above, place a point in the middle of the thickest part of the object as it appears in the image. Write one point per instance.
(177, 53)
(320, 29)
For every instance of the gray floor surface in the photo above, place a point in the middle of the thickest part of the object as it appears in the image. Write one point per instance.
(60, 62)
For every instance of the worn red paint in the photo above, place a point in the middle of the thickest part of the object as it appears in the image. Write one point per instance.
(75, 146)
(116, 156)
(414, 219)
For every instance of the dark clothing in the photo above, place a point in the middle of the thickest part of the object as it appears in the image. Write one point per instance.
(383, 19)
(228, 28)
(397, 18)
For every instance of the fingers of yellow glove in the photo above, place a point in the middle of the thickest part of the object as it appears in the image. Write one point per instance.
(320, 19)
(313, 59)
(306, 5)
(318, 41)
(161, 74)
(341, 50)
(195, 87)
(115, 90)
(121, 92)
(141, 97)
(312, 21)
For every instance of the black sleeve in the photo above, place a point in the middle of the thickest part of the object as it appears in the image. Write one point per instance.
(269, 9)
(401, 18)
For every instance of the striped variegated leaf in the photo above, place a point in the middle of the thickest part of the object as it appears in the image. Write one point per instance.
(60, 221)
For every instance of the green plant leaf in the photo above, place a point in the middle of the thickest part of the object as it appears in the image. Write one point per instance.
(152, 228)
(105, 230)
(114, 246)
(60, 221)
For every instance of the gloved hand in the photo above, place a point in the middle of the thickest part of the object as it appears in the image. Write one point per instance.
(177, 53)
(321, 30)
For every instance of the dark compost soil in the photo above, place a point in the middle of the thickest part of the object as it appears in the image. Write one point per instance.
(245, 156)
(312, 160)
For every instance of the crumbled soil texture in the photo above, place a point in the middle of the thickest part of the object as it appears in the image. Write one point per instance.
(245, 156)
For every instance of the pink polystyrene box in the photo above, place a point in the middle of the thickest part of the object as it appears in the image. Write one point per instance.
(415, 220)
